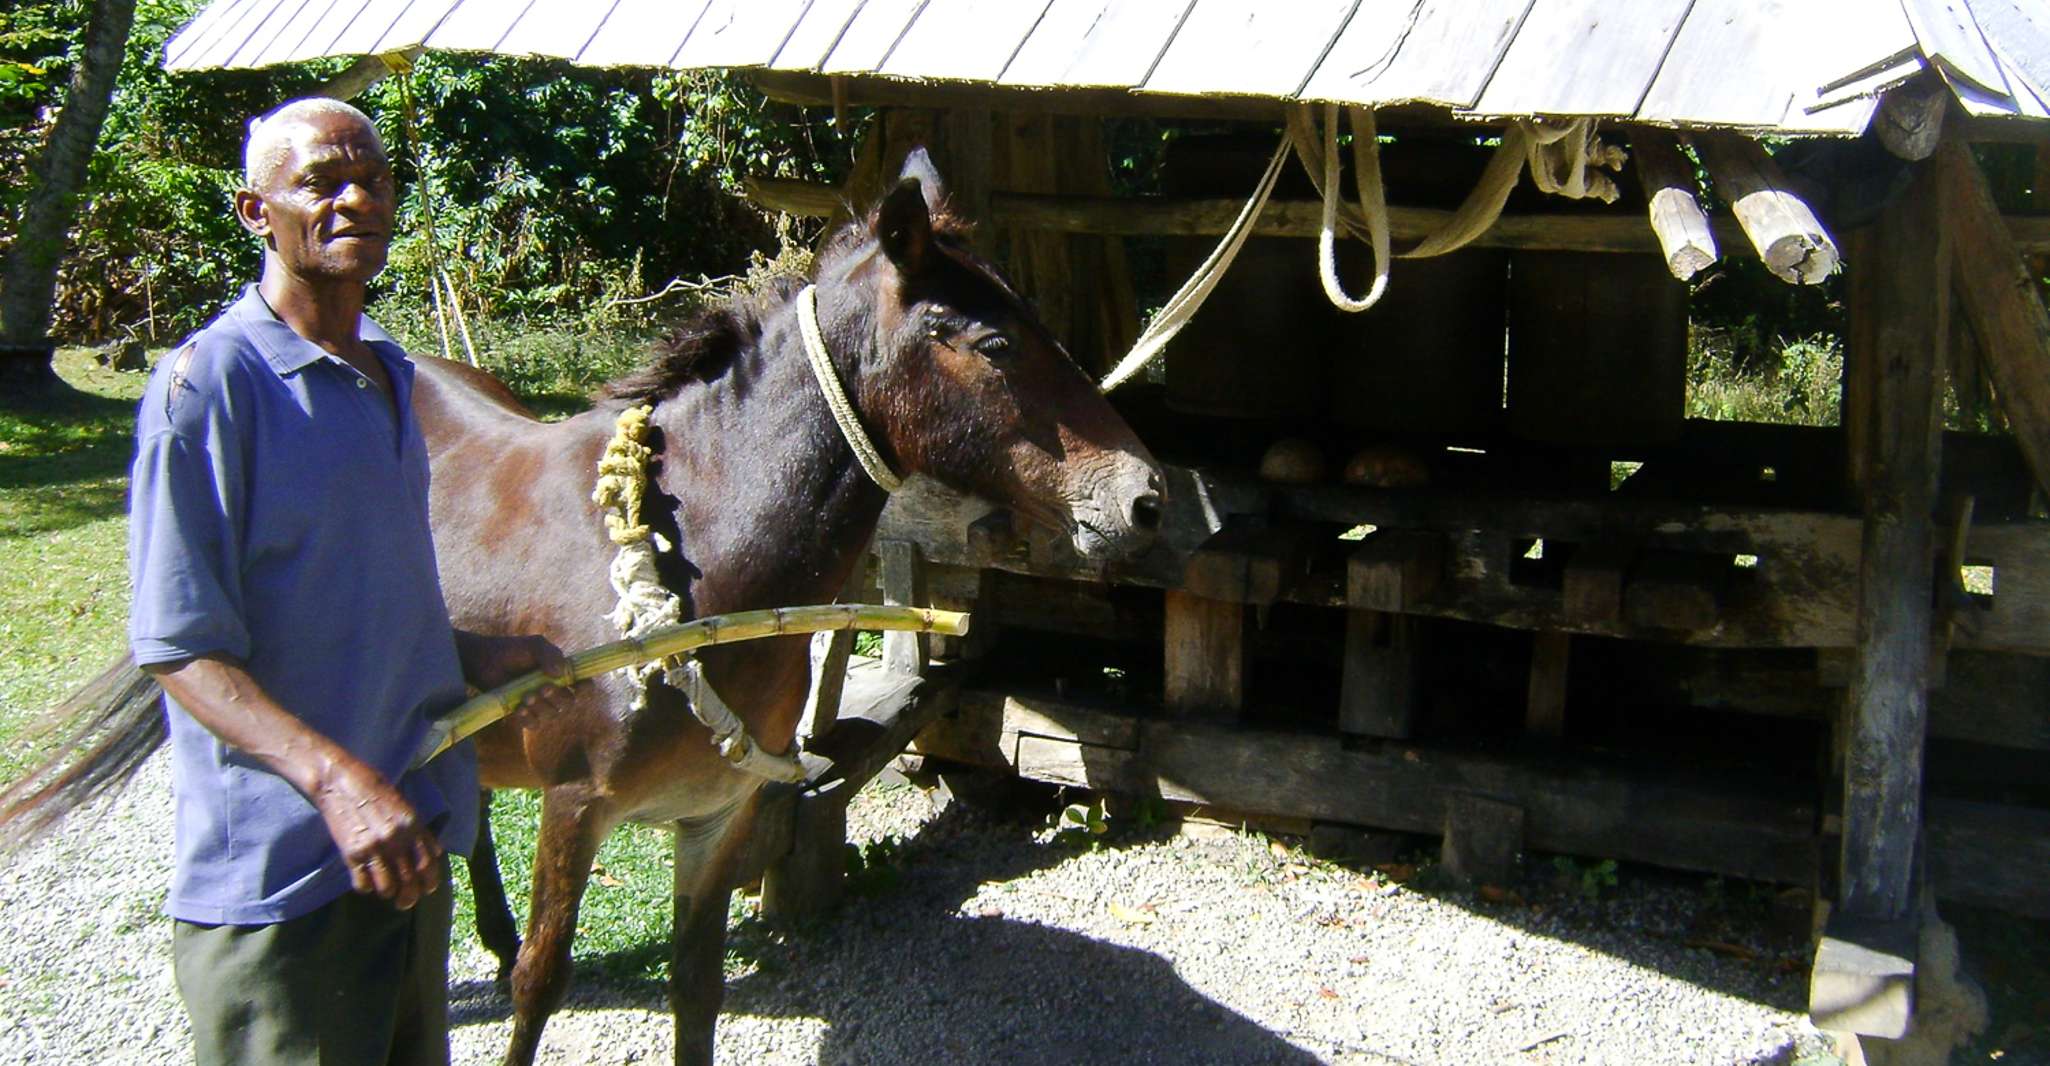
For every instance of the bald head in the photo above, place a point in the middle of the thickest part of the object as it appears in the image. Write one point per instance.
(270, 135)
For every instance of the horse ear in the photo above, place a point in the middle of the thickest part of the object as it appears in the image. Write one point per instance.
(919, 165)
(904, 226)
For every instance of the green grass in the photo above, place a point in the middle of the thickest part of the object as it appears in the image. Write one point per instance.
(63, 534)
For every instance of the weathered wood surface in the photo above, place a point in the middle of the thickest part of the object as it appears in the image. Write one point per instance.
(817, 30)
(1248, 47)
(1910, 118)
(1377, 694)
(1443, 53)
(1984, 854)
(1999, 296)
(968, 40)
(1682, 227)
(1719, 35)
(1483, 839)
(1394, 570)
(903, 583)
(1780, 225)
(1864, 976)
(1249, 562)
(1544, 712)
(1593, 584)
(641, 33)
(1205, 647)
(1584, 59)
(1096, 43)
(1951, 39)
(1898, 325)
(870, 37)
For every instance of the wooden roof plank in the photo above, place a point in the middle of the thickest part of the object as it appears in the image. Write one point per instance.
(1583, 57)
(313, 43)
(874, 31)
(199, 32)
(279, 45)
(1719, 36)
(222, 44)
(740, 33)
(557, 28)
(371, 25)
(967, 40)
(415, 23)
(817, 31)
(479, 26)
(642, 33)
(1439, 52)
(1950, 37)
(2020, 36)
(1096, 43)
(1249, 47)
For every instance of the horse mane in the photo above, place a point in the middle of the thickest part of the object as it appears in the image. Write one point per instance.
(705, 344)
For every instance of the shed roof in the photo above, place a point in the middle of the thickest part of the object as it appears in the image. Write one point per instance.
(1790, 66)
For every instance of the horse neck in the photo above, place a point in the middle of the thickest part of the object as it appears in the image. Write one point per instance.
(772, 507)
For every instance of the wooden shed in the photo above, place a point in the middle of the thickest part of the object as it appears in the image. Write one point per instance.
(1757, 654)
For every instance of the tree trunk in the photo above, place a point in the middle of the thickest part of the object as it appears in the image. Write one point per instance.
(28, 279)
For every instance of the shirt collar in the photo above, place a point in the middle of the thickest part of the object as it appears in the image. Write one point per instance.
(286, 351)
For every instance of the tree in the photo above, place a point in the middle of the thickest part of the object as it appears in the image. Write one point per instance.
(28, 279)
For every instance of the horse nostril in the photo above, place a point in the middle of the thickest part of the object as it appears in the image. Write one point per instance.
(1146, 512)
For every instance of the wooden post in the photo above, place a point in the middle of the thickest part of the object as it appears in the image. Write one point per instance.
(1377, 697)
(1898, 302)
(1206, 654)
(810, 878)
(1676, 215)
(1780, 224)
(903, 580)
(1545, 712)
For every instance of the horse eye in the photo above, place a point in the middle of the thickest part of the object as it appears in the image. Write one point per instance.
(994, 346)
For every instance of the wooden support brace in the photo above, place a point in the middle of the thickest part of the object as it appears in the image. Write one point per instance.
(1788, 236)
(1483, 839)
(1378, 697)
(1676, 215)
(811, 879)
(1394, 570)
(1545, 712)
(2000, 296)
(903, 580)
(1594, 581)
(1206, 654)
(1249, 561)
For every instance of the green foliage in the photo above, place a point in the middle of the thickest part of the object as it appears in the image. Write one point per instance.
(1799, 381)
(1081, 825)
(876, 867)
(1589, 879)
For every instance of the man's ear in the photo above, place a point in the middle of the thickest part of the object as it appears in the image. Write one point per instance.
(252, 213)
(904, 227)
(918, 165)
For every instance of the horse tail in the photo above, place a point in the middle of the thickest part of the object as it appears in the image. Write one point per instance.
(110, 727)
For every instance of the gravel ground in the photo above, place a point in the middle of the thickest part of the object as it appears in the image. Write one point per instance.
(984, 940)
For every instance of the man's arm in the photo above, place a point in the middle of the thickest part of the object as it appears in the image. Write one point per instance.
(390, 854)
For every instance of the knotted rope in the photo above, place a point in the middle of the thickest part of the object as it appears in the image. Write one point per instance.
(645, 604)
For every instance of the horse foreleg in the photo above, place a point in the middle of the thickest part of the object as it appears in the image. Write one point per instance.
(707, 854)
(572, 824)
(487, 889)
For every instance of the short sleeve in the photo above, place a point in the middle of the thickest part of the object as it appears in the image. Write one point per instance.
(186, 505)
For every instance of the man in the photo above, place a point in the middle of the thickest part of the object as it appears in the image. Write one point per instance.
(286, 597)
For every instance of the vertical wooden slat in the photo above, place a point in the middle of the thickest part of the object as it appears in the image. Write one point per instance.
(1898, 300)
(1206, 654)
(903, 580)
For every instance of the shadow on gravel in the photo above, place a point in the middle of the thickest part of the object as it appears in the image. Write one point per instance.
(902, 975)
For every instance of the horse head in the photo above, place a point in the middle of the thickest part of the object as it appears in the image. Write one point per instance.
(969, 387)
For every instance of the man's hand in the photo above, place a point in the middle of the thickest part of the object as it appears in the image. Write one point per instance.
(489, 662)
(389, 853)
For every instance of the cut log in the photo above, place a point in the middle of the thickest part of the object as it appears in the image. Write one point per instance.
(1910, 117)
(1999, 294)
(1676, 216)
(1781, 226)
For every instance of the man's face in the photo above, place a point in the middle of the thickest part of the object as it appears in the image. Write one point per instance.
(328, 209)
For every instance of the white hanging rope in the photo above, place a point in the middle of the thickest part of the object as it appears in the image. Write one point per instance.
(865, 451)
(1182, 306)
(1366, 151)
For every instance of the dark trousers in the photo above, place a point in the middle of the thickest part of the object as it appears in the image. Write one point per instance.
(356, 983)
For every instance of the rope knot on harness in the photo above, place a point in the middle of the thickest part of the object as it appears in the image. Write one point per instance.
(646, 604)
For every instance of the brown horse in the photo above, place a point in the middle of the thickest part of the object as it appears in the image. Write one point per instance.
(765, 505)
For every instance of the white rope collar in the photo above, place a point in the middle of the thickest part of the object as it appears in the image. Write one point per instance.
(865, 451)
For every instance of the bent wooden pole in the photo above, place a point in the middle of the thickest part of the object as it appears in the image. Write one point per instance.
(1999, 296)
(463, 722)
(1781, 226)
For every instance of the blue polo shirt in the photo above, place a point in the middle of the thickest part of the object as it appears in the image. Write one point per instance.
(278, 515)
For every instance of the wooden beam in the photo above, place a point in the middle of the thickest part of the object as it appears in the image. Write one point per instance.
(1249, 561)
(1780, 225)
(1205, 647)
(2001, 298)
(1394, 569)
(1910, 117)
(1898, 302)
(1676, 215)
